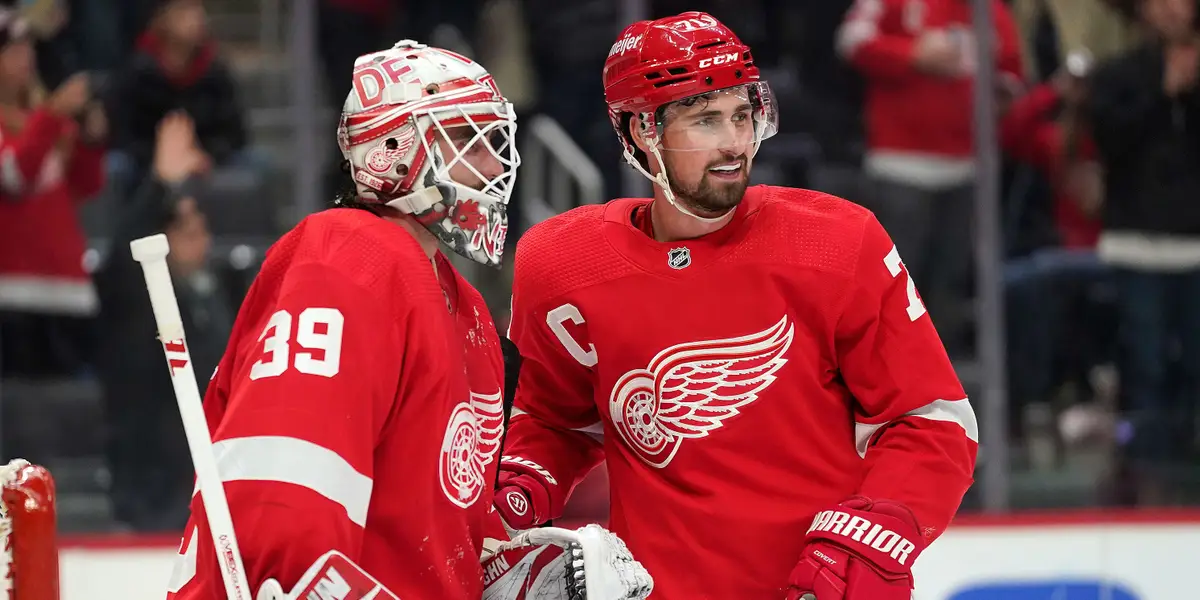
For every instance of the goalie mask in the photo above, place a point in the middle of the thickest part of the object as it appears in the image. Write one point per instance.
(426, 131)
(689, 76)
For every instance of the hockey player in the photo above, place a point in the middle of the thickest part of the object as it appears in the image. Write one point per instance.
(776, 411)
(358, 404)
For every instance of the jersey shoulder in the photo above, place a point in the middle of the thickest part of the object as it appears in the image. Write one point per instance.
(563, 253)
(362, 249)
(810, 229)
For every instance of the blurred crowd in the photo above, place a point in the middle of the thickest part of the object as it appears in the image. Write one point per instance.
(1096, 105)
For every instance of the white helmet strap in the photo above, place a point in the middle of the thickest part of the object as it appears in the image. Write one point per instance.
(664, 182)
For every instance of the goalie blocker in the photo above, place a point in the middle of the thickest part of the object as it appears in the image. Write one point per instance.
(27, 515)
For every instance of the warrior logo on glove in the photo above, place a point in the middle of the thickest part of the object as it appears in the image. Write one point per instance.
(470, 444)
(517, 502)
(690, 389)
(869, 534)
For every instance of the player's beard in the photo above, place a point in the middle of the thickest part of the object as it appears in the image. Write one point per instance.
(710, 197)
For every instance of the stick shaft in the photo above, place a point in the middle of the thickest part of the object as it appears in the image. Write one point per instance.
(151, 252)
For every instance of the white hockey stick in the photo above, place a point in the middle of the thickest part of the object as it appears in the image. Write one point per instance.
(152, 252)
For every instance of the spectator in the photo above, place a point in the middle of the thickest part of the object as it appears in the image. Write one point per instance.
(1058, 326)
(176, 67)
(51, 160)
(56, 56)
(146, 450)
(1145, 115)
(1044, 129)
(81, 35)
(919, 67)
(1053, 29)
(101, 33)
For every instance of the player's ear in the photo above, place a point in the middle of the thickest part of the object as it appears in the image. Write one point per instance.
(639, 130)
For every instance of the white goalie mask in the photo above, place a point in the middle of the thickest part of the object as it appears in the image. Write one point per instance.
(427, 131)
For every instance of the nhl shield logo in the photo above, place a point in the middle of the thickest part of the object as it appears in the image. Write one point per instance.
(679, 258)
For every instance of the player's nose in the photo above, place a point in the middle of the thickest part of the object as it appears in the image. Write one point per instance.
(489, 166)
(735, 141)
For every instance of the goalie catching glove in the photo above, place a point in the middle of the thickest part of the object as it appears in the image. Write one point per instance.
(550, 563)
(859, 550)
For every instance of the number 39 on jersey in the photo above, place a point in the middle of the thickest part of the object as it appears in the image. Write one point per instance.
(313, 347)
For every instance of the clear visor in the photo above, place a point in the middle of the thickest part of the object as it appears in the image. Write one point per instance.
(476, 143)
(735, 119)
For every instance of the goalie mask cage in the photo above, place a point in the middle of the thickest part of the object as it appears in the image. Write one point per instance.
(27, 527)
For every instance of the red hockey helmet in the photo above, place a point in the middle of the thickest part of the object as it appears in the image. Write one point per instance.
(656, 63)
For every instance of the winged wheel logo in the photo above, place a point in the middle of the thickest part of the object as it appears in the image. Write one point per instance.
(470, 444)
(690, 389)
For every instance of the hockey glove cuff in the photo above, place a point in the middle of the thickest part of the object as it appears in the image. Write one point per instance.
(522, 500)
(859, 550)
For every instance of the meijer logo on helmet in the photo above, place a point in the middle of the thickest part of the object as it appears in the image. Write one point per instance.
(625, 44)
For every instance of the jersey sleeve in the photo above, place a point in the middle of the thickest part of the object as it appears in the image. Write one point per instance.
(306, 398)
(1026, 129)
(554, 430)
(870, 39)
(22, 155)
(914, 426)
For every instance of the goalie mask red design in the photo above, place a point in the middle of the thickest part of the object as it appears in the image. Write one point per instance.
(426, 131)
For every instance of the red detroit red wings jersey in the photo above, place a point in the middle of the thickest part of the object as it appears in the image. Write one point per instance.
(736, 383)
(352, 411)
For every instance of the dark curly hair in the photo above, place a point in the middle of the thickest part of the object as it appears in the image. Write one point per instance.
(348, 197)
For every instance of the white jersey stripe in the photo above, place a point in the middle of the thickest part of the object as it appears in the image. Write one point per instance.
(958, 412)
(298, 462)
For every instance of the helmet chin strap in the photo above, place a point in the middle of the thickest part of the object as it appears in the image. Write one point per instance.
(661, 181)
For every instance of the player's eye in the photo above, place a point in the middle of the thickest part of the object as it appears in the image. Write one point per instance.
(496, 139)
(461, 142)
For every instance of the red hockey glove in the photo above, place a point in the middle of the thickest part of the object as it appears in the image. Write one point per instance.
(859, 550)
(522, 500)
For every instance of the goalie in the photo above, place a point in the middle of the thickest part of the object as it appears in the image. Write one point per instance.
(358, 407)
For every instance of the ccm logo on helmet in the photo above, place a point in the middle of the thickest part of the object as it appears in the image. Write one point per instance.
(720, 59)
(863, 531)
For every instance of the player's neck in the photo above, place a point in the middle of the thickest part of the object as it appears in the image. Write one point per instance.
(425, 239)
(672, 225)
